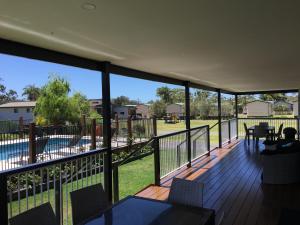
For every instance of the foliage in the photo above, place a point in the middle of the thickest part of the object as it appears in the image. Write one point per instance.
(123, 100)
(169, 96)
(31, 92)
(158, 108)
(273, 97)
(6, 95)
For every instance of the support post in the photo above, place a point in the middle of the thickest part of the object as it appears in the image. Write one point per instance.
(93, 134)
(188, 121)
(116, 183)
(298, 117)
(229, 131)
(236, 115)
(156, 162)
(220, 118)
(32, 144)
(208, 140)
(57, 194)
(3, 200)
(106, 104)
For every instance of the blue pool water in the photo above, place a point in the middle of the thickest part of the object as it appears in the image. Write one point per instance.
(54, 144)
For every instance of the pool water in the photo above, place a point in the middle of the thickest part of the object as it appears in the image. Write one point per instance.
(54, 144)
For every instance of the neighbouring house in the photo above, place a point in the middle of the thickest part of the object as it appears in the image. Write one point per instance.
(176, 109)
(136, 111)
(259, 108)
(15, 110)
(283, 107)
(295, 108)
(96, 104)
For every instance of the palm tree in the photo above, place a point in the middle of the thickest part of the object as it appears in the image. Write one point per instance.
(32, 92)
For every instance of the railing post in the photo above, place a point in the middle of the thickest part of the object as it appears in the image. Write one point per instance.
(116, 182)
(32, 144)
(188, 121)
(154, 126)
(208, 140)
(3, 200)
(156, 161)
(229, 132)
(117, 124)
(58, 201)
(220, 118)
(21, 127)
(93, 134)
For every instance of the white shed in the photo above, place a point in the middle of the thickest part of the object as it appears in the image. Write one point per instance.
(176, 109)
(259, 108)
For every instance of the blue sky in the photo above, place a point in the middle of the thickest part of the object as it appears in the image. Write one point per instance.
(17, 72)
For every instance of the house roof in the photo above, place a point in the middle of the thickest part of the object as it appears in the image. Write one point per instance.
(20, 104)
(236, 45)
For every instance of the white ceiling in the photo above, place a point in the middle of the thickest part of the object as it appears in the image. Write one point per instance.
(236, 45)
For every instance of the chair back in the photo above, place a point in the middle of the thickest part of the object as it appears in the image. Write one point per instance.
(246, 128)
(74, 141)
(260, 131)
(289, 133)
(263, 124)
(40, 215)
(87, 203)
(186, 192)
(280, 129)
(41, 144)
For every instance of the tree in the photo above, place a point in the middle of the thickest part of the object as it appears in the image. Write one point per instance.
(123, 100)
(31, 92)
(158, 108)
(6, 96)
(273, 97)
(165, 94)
(79, 106)
(53, 105)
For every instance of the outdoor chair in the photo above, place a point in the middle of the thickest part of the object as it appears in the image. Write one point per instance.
(40, 148)
(289, 133)
(247, 133)
(259, 132)
(263, 124)
(186, 192)
(40, 215)
(278, 135)
(88, 203)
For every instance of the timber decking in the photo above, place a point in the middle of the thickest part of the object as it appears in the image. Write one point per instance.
(232, 179)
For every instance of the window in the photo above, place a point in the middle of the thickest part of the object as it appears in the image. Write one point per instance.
(28, 110)
(16, 110)
(122, 113)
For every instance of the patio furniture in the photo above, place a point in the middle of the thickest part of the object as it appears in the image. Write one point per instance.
(268, 131)
(186, 192)
(289, 133)
(263, 124)
(135, 210)
(248, 133)
(40, 215)
(278, 135)
(259, 132)
(87, 203)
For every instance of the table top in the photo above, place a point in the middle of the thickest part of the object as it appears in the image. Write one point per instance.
(140, 211)
(267, 128)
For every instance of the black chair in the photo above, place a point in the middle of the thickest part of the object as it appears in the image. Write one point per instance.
(278, 135)
(186, 192)
(40, 215)
(289, 133)
(88, 203)
(247, 133)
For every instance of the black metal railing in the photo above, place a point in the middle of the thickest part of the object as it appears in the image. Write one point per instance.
(52, 181)
(171, 150)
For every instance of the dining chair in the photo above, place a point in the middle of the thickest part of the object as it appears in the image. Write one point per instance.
(40, 215)
(259, 132)
(248, 133)
(289, 133)
(186, 192)
(88, 202)
(278, 135)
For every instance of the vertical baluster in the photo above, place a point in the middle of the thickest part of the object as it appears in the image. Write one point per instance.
(19, 197)
(48, 181)
(41, 187)
(10, 198)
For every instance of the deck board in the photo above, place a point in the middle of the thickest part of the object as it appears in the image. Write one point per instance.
(232, 181)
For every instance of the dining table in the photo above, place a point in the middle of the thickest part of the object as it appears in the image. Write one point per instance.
(135, 210)
(270, 130)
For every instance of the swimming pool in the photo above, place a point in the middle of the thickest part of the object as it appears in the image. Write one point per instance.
(13, 149)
